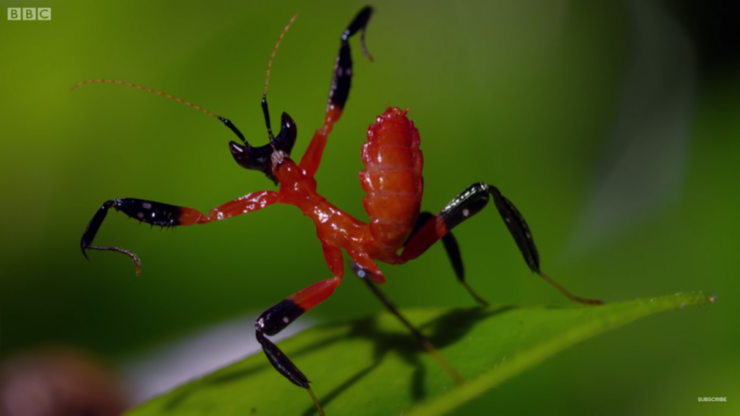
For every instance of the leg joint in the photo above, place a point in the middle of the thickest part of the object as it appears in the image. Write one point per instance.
(279, 316)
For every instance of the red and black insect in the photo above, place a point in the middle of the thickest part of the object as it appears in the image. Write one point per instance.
(397, 232)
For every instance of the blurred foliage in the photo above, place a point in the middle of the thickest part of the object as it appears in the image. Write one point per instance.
(518, 94)
(378, 369)
(59, 382)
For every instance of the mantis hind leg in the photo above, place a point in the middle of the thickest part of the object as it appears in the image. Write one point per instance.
(471, 201)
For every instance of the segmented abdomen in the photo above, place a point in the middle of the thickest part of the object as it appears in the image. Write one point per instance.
(392, 178)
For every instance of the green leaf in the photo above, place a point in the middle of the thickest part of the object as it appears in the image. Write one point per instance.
(373, 366)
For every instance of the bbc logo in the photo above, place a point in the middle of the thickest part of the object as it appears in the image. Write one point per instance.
(29, 13)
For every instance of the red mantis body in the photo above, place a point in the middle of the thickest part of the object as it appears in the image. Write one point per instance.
(393, 181)
(392, 178)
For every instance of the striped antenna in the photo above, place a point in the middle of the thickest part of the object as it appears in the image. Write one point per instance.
(139, 87)
(274, 51)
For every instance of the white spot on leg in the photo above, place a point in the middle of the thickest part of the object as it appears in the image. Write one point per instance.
(285, 319)
(146, 205)
(277, 158)
(466, 212)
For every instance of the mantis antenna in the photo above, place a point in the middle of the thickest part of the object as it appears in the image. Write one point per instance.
(265, 110)
(226, 122)
(139, 87)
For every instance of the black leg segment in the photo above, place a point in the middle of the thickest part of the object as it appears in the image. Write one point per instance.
(150, 212)
(271, 322)
(474, 199)
(342, 79)
(518, 228)
(467, 204)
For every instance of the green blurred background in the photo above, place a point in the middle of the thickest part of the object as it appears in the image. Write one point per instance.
(533, 97)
